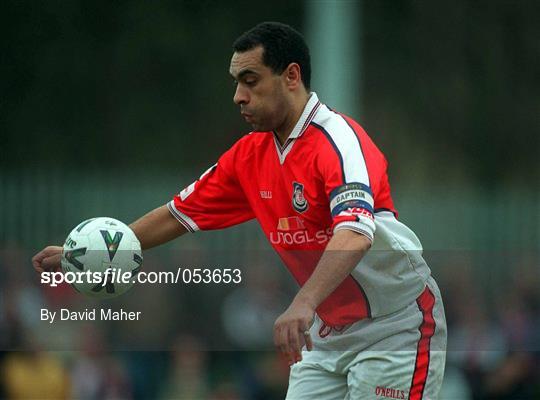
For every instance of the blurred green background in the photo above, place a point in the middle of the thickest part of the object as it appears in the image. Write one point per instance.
(451, 89)
(109, 108)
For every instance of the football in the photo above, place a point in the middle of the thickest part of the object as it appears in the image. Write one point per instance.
(101, 257)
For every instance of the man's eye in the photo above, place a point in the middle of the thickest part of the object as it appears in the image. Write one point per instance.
(251, 82)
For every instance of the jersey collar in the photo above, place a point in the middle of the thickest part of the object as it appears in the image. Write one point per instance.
(303, 122)
(309, 112)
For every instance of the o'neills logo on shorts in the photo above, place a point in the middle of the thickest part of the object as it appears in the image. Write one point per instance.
(299, 202)
(390, 393)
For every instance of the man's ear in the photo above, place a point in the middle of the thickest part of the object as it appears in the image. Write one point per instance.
(293, 76)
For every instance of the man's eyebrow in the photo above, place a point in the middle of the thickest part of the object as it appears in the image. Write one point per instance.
(244, 73)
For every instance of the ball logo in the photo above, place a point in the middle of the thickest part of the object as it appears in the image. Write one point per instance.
(72, 255)
(299, 202)
(112, 243)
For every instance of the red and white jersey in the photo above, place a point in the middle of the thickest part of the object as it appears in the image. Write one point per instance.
(328, 175)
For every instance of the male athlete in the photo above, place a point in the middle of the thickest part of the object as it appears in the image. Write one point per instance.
(368, 321)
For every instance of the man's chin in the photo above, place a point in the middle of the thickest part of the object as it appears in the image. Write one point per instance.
(256, 127)
(260, 127)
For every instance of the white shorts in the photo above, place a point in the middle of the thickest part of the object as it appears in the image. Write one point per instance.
(396, 356)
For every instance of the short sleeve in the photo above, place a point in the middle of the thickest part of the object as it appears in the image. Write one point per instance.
(346, 180)
(214, 201)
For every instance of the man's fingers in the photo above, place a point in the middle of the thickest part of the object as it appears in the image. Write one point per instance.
(309, 342)
(36, 260)
(284, 339)
(49, 251)
(52, 263)
(278, 338)
(36, 263)
(295, 343)
(283, 342)
(290, 340)
(289, 334)
(48, 258)
(307, 337)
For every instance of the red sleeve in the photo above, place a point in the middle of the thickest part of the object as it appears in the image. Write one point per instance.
(214, 201)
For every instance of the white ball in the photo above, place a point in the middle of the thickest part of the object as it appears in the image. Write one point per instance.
(101, 250)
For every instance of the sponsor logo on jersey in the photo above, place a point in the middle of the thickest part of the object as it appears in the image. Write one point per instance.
(290, 224)
(291, 231)
(299, 202)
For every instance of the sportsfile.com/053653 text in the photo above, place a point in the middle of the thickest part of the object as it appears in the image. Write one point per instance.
(115, 275)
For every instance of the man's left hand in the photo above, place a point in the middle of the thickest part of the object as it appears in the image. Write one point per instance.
(291, 330)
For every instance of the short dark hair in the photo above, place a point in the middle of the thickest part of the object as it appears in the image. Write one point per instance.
(282, 45)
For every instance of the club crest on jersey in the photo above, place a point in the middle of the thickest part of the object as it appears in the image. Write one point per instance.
(299, 202)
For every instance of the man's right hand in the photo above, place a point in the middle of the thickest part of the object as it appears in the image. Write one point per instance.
(48, 259)
(157, 227)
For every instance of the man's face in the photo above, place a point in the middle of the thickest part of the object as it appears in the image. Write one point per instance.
(260, 93)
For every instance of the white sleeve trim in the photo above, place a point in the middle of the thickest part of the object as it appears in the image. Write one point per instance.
(188, 223)
(362, 227)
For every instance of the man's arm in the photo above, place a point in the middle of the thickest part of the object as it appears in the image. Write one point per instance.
(342, 254)
(155, 228)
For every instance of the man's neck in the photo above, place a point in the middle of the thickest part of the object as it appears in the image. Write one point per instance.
(285, 130)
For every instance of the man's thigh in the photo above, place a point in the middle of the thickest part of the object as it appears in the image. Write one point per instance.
(376, 375)
(408, 364)
(307, 382)
(395, 375)
(406, 357)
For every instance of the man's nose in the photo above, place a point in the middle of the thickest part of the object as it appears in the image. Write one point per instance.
(240, 96)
